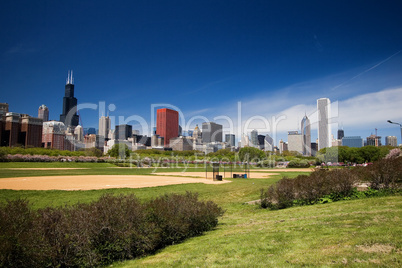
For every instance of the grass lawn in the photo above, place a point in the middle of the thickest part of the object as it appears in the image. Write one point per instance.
(356, 233)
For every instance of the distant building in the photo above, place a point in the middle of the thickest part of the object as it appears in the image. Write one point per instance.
(283, 146)
(197, 135)
(352, 141)
(43, 113)
(69, 114)
(20, 129)
(341, 134)
(54, 136)
(324, 128)
(167, 124)
(123, 132)
(104, 127)
(245, 142)
(211, 132)
(261, 142)
(142, 140)
(90, 131)
(79, 133)
(336, 143)
(230, 139)
(254, 138)
(268, 143)
(181, 144)
(391, 141)
(295, 142)
(3, 109)
(314, 148)
(306, 136)
(374, 140)
(94, 141)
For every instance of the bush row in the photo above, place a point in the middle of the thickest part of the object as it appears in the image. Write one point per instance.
(336, 184)
(111, 229)
(50, 152)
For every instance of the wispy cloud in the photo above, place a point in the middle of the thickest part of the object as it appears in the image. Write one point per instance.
(20, 49)
(371, 109)
(367, 70)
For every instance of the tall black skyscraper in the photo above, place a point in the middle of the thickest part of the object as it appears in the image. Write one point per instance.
(69, 115)
(341, 134)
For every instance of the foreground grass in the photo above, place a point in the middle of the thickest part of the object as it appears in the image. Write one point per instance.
(356, 233)
(360, 232)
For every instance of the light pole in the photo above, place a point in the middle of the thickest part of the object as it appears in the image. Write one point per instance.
(389, 121)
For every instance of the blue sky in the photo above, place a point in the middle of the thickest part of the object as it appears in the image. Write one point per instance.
(204, 57)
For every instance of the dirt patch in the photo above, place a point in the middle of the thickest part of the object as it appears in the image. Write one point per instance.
(42, 168)
(94, 182)
(376, 248)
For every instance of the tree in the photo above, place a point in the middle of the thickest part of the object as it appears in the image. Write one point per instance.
(251, 154)
(119, 150)
(370, 153)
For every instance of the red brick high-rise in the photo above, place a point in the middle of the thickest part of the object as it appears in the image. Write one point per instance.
(167, 124)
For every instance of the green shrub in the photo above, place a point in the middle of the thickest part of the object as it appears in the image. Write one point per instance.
(323, 186)
(297, 163)
(110, 229)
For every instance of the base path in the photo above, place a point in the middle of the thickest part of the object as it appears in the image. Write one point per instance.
(94, 182)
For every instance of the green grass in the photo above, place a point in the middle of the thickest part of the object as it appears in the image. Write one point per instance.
(356, 233)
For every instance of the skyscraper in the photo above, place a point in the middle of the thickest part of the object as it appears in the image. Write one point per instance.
(374, 140)
(167, 124)
(69, 114)
(391, 141)
(43, 113)
(211, 132)
(268, 143)
(295, 141)
(123, 132)
(254, 138)
(341, 134)
(352, 141)
(306, 135)
(324, 128)
(104, 126)
(230, 139)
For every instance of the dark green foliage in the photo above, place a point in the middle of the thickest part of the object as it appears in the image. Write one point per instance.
(4, 151)
(119, 150)
(299, 163)
(184, 218)
(251, 154)
(110, 229)
(224, 154)
(323, 186)
(346, 154)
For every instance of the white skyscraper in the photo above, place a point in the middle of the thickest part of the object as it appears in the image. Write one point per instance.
(306, 135)
(79, 133)
(324, 128)
(104, 126)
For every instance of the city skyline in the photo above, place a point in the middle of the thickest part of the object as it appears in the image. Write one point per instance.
(205, 57)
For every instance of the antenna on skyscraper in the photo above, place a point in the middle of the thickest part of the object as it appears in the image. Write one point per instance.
(70, 78)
